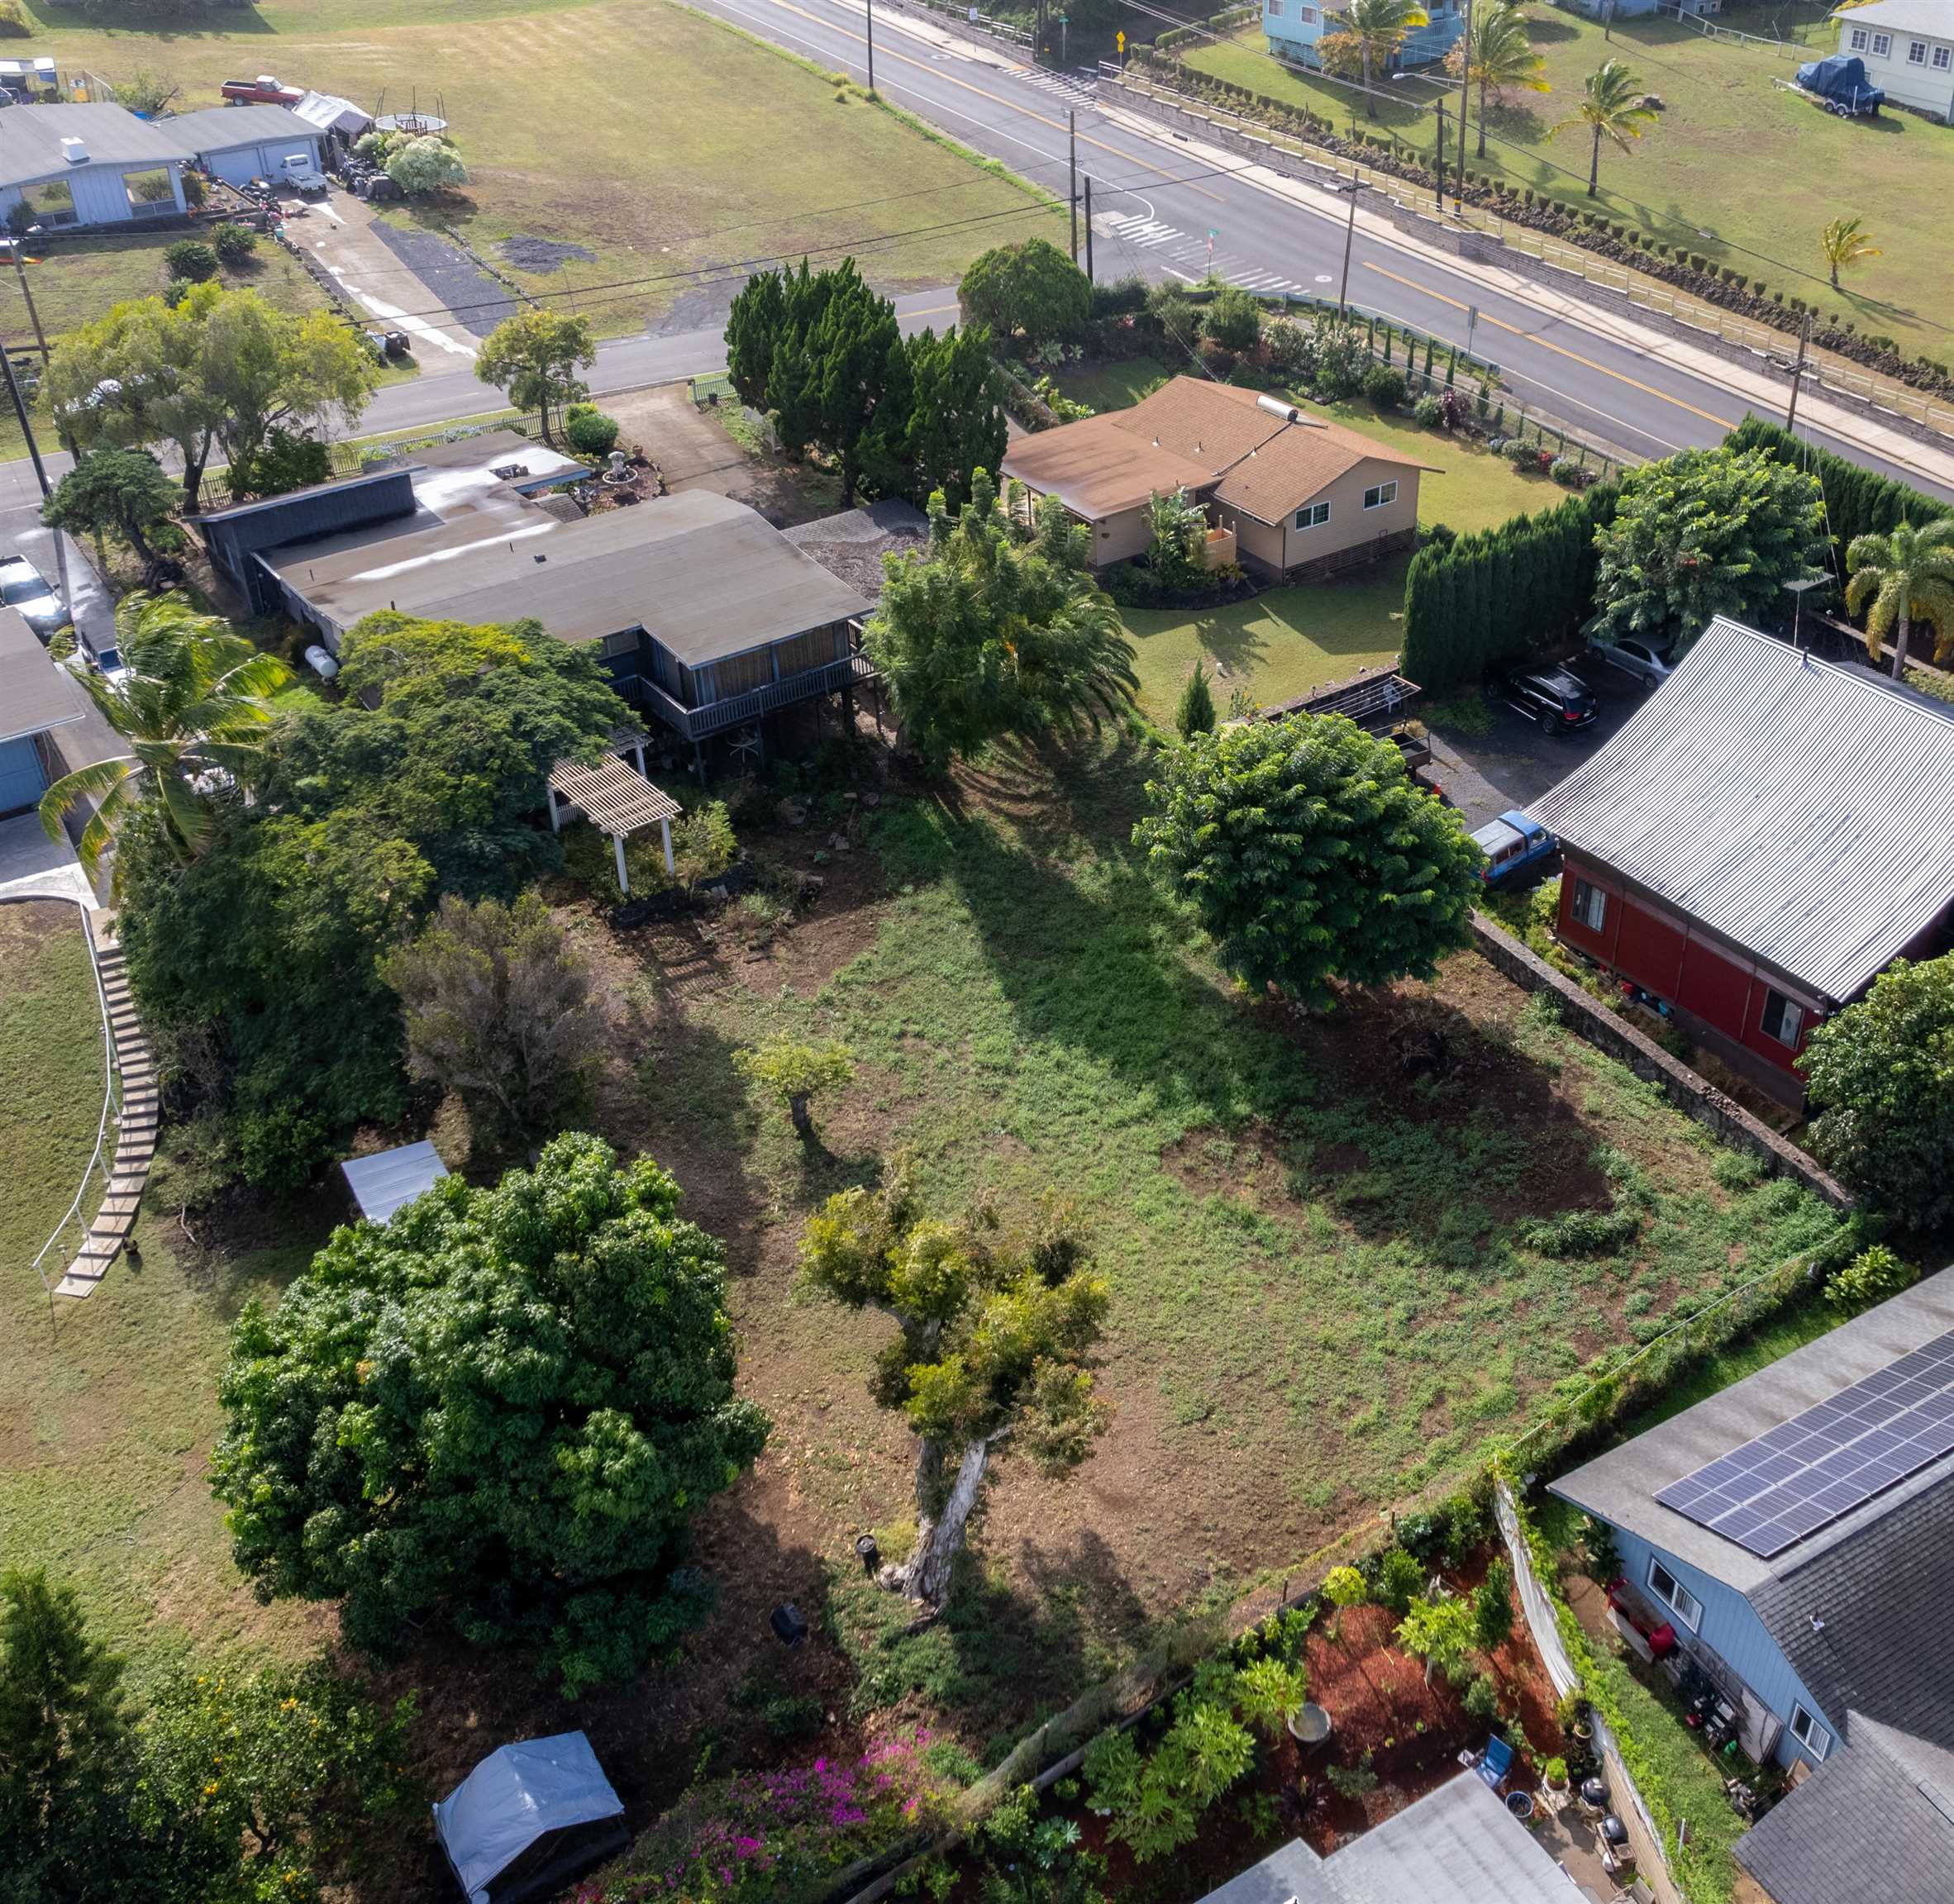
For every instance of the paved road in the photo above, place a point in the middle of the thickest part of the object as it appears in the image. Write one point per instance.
(1155, 214)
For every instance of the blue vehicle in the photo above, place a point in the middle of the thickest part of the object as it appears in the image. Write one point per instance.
(1513, 843)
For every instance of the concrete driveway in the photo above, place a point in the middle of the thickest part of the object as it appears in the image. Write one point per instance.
(1516, 761)
(339, 230)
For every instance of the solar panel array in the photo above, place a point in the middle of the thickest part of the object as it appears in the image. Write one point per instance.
(1796, 1478)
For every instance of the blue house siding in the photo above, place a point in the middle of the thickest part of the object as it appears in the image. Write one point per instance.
(1293, 28)
(1731, 1629)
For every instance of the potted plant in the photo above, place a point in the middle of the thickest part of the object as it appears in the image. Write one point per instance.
(1555, 1772)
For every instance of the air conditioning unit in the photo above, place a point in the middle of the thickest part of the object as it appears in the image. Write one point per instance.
(75, 151)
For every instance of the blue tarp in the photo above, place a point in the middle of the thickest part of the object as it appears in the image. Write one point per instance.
(1841, 77)
(512, 1798)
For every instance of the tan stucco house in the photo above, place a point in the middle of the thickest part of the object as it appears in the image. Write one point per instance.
(1297, 494)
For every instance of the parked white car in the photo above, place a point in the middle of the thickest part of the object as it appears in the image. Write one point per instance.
(1642, 660)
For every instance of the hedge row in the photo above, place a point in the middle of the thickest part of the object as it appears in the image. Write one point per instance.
(1525, 586)
(1857, 502)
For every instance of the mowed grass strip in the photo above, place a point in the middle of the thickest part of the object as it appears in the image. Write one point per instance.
(107, 1407)
(1735, 167)
(660, 140)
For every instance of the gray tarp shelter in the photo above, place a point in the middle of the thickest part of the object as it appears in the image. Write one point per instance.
(529, 1818)
(382, 1183)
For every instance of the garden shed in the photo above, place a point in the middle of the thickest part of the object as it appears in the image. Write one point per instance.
(529, 1818)
(382, 1183)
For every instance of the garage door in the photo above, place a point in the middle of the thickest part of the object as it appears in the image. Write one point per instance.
(21, 781)
(248, 162)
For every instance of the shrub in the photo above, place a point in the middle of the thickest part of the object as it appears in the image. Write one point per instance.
(1870, 1278)
(424, 166)
(795, 1074)
(1400, 1579)
(1555, 1772)
(1353, 1780)
(13, 22)
(704, 843)
(233, 243)
(1581, 1233)
(1568, 473)
(589, 431)
(1482, 1700)
(190, 259)
(1195, 712)
(1384, 387)
(1429, 412)
(1492, 1607)
(1234, 319)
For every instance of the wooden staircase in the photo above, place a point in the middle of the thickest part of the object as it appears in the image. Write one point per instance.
(136, 1123)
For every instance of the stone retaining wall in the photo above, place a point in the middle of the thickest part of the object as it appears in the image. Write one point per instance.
(1588, 1017)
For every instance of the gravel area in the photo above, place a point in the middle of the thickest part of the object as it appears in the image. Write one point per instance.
(542, 255)
(476, 301)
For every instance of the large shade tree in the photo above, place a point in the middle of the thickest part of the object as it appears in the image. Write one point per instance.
(501, 1410)
(993, 1347)
(1612, 108)
(123, 491)
(1310, 855)
(536, 358)
(995, 632)
(192, 713)
(1703, 533)
(1903, 576)
(218, 370)
(1029, 294)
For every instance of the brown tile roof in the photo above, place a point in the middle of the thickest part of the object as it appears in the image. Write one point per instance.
(1098, 469)
(1187, 435)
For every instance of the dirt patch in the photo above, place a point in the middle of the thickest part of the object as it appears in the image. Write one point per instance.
(693, 449)
(543, 255)
(24, 923)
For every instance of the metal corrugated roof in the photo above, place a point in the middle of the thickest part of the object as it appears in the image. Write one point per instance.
(224, 128)
(1802, 810)
(36, 693)
(388, 1179)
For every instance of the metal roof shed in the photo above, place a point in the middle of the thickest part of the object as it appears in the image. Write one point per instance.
(528, 1819)
(382, 1183)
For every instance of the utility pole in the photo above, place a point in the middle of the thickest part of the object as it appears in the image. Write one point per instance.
(1090, 278)
(871, 46)
(1072, 161)
(1349, 232)
(20, 411)
(20, 265)
(1438, 153)
(1465, 109)
(1804, 338)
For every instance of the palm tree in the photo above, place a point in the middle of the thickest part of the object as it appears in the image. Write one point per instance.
(1845, 242)
(1496, 54)
(1379, 28)
(194, 707)
(1611, 107)
(1907, 573)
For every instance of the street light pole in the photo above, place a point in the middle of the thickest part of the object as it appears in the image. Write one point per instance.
(1438, 158)
(871, 46)
(1090, 278)
(1804, 338)
(1072, 164)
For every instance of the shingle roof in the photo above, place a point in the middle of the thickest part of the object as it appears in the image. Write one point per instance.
(1879, 1807)
(220, 128)
(1802, 810)
(36, 693)
(31, 139)
(1934, 18)
(1187, 435)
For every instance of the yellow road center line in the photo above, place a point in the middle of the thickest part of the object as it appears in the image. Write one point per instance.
(1559, 351)
(996, 99)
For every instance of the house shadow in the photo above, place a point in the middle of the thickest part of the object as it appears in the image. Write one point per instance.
(46, 17)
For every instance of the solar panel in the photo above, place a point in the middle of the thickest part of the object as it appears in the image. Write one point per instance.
(1794, 1478)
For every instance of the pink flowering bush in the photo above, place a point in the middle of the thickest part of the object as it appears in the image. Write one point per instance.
(777, 1836)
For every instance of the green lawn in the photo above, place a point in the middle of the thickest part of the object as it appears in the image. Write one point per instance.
(746, 154)
(107, 1409)
(1746, 174)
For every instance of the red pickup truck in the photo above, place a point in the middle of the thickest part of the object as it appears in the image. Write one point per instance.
(264, 90)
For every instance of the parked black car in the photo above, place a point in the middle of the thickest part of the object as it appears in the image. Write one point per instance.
(1561, 702)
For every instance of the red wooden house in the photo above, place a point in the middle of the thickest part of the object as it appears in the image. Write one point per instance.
(1765, 834)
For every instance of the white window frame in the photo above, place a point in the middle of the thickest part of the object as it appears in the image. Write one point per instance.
(1679, 1599)
(1860, 40)
(1790, 1013)
(1882, 45)
(1916, 53)
(1381, 495)
(1943, 57)
(1814, 1737)
(1312, 515)
(1590, 906)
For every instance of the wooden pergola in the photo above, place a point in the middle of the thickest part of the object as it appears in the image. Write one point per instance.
(615, 798)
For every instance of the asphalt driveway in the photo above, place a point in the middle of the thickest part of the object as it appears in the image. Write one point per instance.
(1515, 761)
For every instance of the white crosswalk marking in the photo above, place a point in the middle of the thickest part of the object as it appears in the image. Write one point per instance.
(1190, 249)
(1080, 87)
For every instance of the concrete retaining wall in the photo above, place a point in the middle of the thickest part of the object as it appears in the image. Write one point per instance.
(1587, 1016)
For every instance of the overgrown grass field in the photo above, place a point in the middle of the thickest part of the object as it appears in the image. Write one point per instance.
(659, 140)
(108, 1407)
(1735, 167)
(1332, 1282)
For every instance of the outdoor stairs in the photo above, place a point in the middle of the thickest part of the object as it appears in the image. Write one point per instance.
(135, 1125)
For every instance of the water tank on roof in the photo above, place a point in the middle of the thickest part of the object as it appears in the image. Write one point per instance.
(1276, 407)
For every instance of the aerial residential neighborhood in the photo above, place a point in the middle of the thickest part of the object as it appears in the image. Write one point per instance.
(976, 956)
